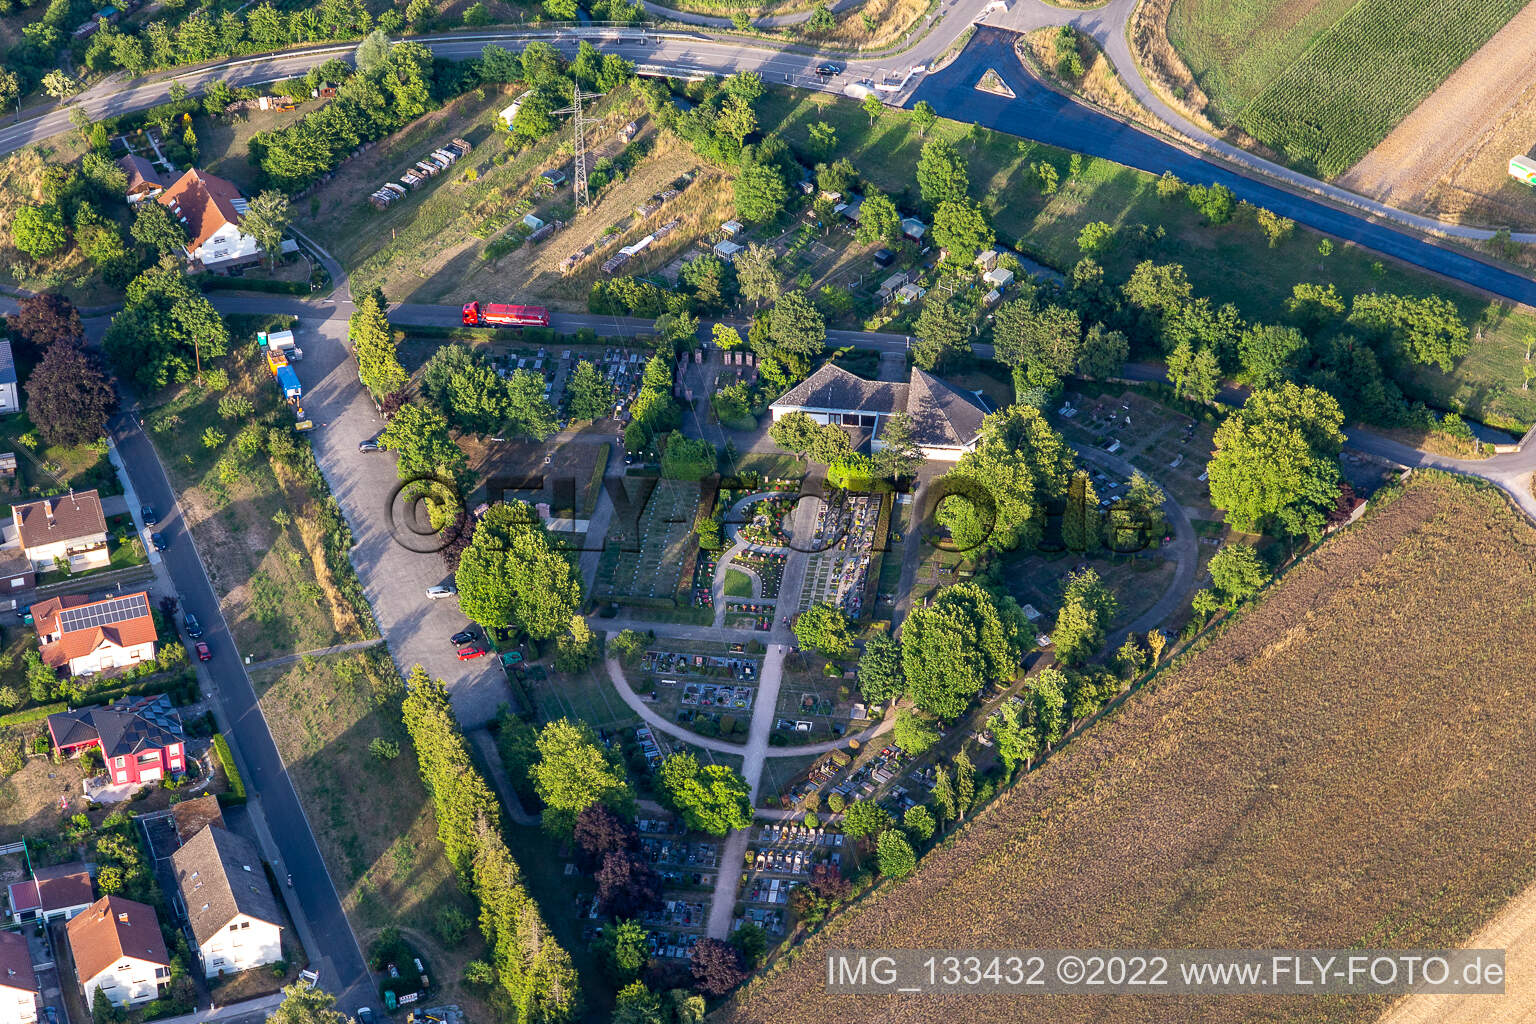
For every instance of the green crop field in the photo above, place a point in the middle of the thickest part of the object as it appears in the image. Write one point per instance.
(1361, 77)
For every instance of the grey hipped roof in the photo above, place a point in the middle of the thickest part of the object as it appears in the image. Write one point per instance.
(832, 387)
(220, 877)
(941, 415)
(125, 728)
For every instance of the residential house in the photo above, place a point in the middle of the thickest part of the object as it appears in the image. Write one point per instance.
(144, 182)
(229, 903)
(118, 952)
(946, 422)
(88, 636)
(10, 398)
(209, 208)
(72, 527)
(18, 985)
(52, 894)
(141, 738)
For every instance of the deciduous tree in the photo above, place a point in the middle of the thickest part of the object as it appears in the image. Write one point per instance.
(1086, 608)
(573, 773)
(824, 628)
(1276, 460)
(711, 798)
(69, 396)
(966, 639)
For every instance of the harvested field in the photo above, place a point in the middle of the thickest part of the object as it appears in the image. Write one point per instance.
(1513, 931)
(1453, 128)
(1344, 765)
(1478, 189)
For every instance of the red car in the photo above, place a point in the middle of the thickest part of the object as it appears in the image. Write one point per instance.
(203, 653)
(471, 653)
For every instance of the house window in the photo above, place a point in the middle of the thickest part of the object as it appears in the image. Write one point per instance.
(162, 972)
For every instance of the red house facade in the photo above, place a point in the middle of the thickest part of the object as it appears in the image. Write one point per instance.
(141, 739)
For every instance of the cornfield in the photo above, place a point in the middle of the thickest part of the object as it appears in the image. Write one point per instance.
(1363, 76)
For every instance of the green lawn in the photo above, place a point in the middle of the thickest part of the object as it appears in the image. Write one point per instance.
(1229, 263)
(737, 583)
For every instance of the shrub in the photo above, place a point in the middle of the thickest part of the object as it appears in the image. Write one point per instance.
(236, 794)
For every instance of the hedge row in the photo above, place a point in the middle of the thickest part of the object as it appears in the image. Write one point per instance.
(216, 283)
(30, 715)
(236, 794)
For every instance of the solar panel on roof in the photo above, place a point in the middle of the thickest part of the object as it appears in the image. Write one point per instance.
(103, 613)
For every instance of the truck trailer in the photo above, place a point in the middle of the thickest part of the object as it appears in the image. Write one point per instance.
(1523, 169)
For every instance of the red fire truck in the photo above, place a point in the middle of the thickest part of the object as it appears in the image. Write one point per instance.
(496, 314)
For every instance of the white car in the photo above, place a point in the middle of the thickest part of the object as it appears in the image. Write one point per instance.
(439, 592)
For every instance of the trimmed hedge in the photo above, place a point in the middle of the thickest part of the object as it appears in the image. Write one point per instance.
(30, 715)
(213, 283)
(236, 794)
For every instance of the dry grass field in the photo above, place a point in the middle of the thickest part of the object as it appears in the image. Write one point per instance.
(1449, 156)
(1100, 83)
(1346, 764)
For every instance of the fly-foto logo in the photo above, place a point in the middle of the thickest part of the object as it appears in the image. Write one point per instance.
(429, 513)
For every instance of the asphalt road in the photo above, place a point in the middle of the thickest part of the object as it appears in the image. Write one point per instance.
(338, 959)
(1038, 113)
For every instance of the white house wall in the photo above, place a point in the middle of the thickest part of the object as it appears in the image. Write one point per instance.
(251, 943)
(17, 1005)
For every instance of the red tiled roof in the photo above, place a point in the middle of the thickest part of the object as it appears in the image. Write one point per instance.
(77, 643)
(203, 202)
(16, 962)
(111, 929)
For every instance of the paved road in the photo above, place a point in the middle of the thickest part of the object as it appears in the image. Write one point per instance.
(338, 958)
(1046, 116)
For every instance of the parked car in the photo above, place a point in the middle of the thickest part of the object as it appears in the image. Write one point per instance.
(828, 70)
(471, 653)
(462, 637)
(149, 515)
(158, 540)
(364, 1015)
(53, 1014)
(370, 445)
(194, 628)
(440, 591)
(203, 653)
